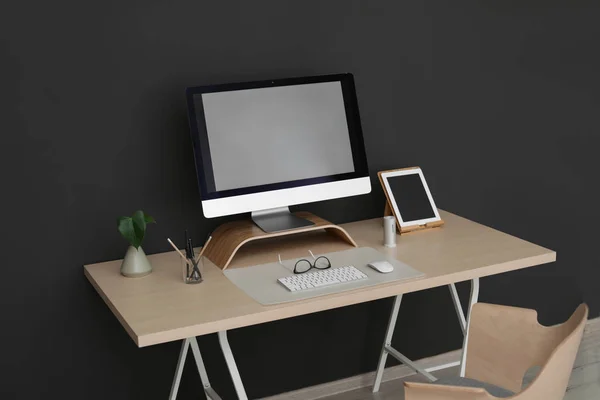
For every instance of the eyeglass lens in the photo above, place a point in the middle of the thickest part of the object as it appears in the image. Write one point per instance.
(322, 263)
(302, 266)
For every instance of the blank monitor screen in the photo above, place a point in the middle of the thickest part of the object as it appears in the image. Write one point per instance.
(411, 197)
(267, 135)
(272, 135)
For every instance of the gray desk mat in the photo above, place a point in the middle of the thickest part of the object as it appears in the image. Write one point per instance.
(260, 281)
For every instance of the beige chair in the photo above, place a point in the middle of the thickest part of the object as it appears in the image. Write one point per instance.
(503, 343)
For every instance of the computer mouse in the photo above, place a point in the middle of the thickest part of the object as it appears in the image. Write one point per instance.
(381, 266)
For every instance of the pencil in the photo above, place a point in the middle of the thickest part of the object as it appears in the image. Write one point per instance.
(176, 249)
(204, 248)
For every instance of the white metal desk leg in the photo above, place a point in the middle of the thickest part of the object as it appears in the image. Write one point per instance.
(199, 364)
(235, 375)
(179, 369)
(458, 307)
(387, 342)
(202, 370)
(472, 300)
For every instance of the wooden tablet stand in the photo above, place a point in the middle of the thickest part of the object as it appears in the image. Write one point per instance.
(228, 238)
(388, 211)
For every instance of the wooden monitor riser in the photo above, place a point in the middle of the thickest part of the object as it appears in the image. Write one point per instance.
(228, 238)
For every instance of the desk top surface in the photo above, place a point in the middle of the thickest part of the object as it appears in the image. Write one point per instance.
(160, 308)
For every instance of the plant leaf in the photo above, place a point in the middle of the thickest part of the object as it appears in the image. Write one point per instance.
(139, 225)
(149, 219)
(139, 219)
(137, 242)
(125, 227)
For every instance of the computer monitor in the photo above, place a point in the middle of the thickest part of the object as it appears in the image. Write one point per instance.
(263, 146)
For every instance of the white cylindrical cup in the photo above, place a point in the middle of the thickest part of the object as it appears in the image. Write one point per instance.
(389, 231)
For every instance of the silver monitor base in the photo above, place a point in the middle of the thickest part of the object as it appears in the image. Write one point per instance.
(278, 219)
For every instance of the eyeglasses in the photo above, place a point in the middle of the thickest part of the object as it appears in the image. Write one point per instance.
(304, 265)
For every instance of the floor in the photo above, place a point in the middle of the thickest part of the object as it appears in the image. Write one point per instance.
(583, 385)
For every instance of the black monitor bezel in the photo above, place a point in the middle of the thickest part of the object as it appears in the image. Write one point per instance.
(201, 149)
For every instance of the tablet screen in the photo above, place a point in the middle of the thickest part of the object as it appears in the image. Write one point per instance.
(411, 197)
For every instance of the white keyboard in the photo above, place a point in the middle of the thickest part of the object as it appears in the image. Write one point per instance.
(318, 278)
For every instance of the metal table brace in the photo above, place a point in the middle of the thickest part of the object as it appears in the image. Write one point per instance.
(210, 392)
(464, 325)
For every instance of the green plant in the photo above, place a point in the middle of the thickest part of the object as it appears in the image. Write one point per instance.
(133, 228)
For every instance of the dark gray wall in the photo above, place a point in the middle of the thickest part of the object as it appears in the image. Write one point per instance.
(498, 102)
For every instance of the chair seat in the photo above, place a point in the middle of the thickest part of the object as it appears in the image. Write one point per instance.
(494, 390)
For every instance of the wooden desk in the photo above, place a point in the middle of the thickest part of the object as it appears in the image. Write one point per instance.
(159, 308)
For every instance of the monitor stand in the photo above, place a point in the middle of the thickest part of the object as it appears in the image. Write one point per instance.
(229, 237)
(278, 219)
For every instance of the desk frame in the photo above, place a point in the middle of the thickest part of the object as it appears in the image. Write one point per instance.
(386, 350)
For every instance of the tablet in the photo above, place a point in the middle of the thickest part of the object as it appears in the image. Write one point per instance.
(409, 197)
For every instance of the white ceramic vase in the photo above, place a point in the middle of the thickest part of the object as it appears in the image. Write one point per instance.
(135, 264)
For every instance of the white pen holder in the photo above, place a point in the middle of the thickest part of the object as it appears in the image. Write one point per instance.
(389, 231)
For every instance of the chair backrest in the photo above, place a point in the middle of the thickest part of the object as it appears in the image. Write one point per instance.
(504, 342)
